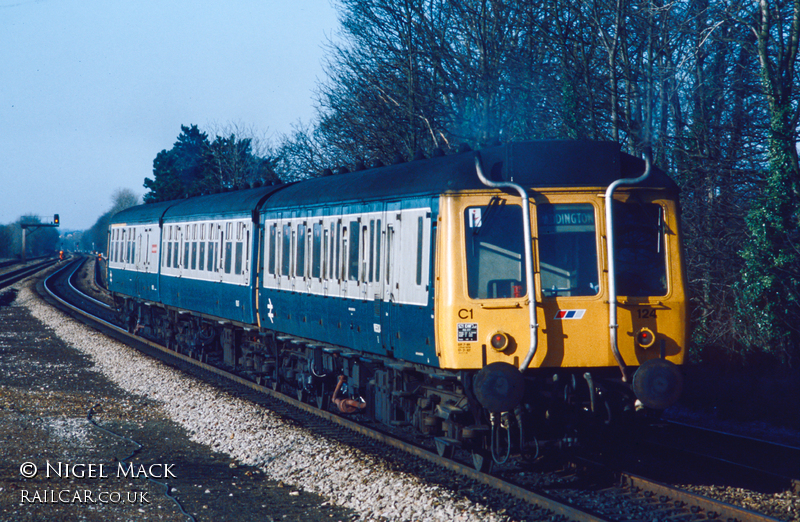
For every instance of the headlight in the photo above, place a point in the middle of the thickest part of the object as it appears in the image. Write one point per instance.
(645, 338)
(499, 341)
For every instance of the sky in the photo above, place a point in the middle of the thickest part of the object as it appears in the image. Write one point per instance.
(92, 90)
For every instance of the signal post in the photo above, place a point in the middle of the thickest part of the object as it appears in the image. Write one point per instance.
(35, 226)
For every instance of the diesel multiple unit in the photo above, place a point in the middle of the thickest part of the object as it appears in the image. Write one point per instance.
(493, 300)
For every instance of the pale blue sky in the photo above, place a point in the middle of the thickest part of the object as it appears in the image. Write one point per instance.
(92, 90)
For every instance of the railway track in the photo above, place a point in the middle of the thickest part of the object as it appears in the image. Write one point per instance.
(9, 277)
(632, 497)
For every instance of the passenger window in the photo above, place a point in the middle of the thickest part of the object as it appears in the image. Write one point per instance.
(352, 269)
(419, 250)
(202, 254)
(378, 252)
(212, 260)
(316, 250)
(325, 246)
(228, 256)
(286, 251)
(338, 250)
(371, 250)
(568, 250)
(494, 251)
(300, 265)
(239, 257)
(641, 265)
(365, 252)
(194, 255)
(273, 238)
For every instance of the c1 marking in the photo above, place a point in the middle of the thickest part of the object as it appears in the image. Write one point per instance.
(465, 313)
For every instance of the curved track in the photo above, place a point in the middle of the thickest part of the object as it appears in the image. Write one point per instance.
(648, 497)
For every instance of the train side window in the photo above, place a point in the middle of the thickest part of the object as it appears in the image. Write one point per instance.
(331, 252)
(194, 255)
(389, 245)
(300, 260)
(286, 249)
(371, 250)
(325, 246)
(420, 233)
(352, 268)
(237, 267)
(201, 265)
(641, 263)
(273, 238)
(494, 250)
(316, 250)
(365, 254)
(567, 250)
(186, 244)
(378, 233)
(212, 267)
(338, 249)
(169, 255)
(228, 256)
(343, 268)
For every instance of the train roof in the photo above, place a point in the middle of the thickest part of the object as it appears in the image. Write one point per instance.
(141, 214)
(237, 203)
(534, 164)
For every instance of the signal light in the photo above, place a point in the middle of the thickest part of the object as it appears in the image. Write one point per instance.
(55, 219)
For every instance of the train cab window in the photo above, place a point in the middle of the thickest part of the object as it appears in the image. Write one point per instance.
(494, 251)
(641, 265)
(568, 250)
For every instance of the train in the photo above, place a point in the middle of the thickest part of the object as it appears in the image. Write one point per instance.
(495, 300)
